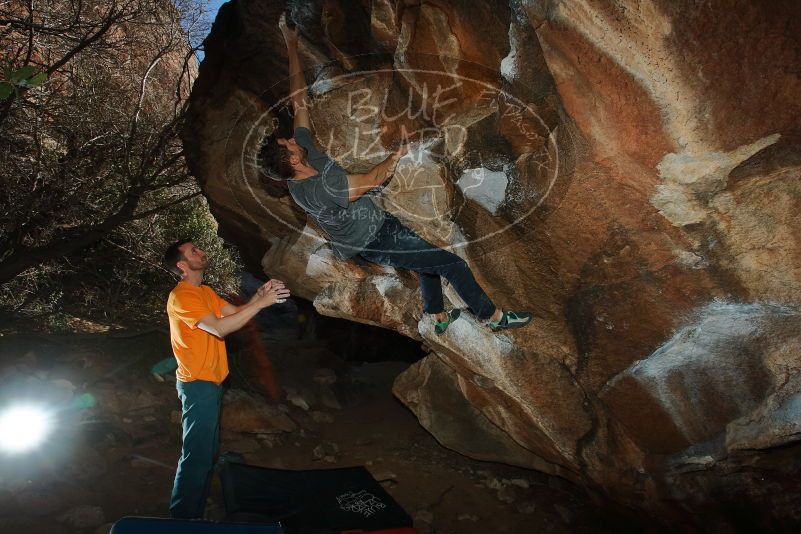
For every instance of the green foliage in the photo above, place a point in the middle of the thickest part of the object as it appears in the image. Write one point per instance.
(20, 75)
(22, 78)
(5, 90)
(93, 181)
(118, 282)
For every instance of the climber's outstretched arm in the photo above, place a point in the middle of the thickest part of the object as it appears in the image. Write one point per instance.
(297, 83)
(359, 184)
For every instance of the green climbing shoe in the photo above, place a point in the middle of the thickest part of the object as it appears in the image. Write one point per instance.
(441, 326)
(510, 319)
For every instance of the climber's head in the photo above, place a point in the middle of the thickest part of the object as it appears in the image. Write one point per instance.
(283, 157)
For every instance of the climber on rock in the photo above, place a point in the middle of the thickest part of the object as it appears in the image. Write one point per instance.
(341, 205)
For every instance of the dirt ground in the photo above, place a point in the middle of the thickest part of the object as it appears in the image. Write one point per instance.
(117, 439)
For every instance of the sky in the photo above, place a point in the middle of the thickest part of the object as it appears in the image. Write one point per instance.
(213, 6)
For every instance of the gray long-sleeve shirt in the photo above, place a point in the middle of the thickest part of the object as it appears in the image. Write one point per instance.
(350, 225)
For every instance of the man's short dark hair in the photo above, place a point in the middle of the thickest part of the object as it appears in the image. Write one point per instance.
(174, 255)
(274, 160)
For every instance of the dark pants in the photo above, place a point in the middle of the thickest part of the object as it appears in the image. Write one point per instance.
(398, 246)
(201, 401)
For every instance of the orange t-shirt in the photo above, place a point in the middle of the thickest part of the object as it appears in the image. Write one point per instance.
(200, 355)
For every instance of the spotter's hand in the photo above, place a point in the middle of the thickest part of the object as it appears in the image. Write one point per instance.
(275, 294)
(270, 284)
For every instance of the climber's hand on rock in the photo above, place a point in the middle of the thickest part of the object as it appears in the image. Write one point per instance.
(401, 151)
(290, 34)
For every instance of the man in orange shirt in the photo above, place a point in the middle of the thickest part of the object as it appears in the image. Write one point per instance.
(199, 320)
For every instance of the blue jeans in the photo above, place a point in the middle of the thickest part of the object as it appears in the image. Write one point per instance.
(398, 246)
(201, 401)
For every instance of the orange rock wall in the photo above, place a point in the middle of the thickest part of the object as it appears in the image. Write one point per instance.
(628, 172)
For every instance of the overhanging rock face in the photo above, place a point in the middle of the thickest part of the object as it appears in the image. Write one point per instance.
(629, 172)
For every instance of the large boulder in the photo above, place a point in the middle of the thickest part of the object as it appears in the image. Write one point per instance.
(628, 171)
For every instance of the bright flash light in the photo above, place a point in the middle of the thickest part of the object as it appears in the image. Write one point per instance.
(22, 428)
